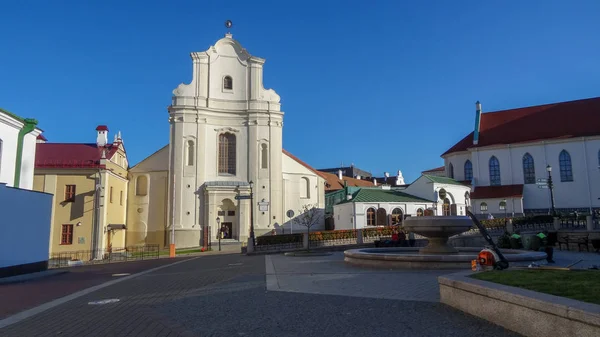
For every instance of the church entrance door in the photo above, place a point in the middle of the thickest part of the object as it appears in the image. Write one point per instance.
(229, 232)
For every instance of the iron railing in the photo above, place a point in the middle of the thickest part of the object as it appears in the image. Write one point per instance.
(85, 257)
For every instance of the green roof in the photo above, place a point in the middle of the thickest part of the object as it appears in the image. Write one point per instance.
(10, 114)
(443, 180)
(380, 195)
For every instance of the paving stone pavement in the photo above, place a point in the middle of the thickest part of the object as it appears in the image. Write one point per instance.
(226, 295)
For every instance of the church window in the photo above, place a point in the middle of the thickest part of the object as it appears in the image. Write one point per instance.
(227, 153)
(451, 170)
(264, 156)
(494, 172)
(566, 169)
(483, 207)
(528, 169)
(190, 152)
(141, 186)
(396, 216)
(227, 83)
(371, 217)
(304, 188)
(468, 170)
(419, 212)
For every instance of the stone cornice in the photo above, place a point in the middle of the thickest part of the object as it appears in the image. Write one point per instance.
(226, 129)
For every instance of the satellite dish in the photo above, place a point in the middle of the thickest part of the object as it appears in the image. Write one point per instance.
(228, 24)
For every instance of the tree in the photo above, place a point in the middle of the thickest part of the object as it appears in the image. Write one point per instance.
(308, 216)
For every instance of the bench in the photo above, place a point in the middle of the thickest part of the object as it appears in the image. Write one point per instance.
(578, 239)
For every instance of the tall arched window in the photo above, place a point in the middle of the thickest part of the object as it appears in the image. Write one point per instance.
(451, 170)
(141, 186)
(468, 170)
(227, 153)
(528, 169)
(264, 156)
(419, 212)
(494, 171)
(483, 207)
(304, 188)
(227, 83)
(381, 217)
(396, 216)
(502, 205)
(190, 152)
(371, 217)
(566, 169)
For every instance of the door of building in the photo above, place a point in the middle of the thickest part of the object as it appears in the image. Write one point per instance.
(229, 232)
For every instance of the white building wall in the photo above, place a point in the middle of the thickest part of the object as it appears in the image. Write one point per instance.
(493, 206)
(360, 211)
(458, 162)
(582, 192)
(344, 216)
(25, 215)
(9, 132)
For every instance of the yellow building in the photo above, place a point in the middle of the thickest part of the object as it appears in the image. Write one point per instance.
(90, 187)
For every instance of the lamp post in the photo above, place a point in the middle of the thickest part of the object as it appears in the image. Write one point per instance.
(551, 188)
(219, 231)
(505, 214)
(252, 213)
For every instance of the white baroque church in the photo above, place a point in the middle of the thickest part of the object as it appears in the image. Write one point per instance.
(225, 136)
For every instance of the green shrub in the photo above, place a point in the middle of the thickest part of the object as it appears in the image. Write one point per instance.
(278, 239)
(504, 241)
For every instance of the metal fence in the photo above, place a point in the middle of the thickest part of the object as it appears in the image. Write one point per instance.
(86, 257)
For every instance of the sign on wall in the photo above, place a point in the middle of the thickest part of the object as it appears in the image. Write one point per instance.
(263, 206)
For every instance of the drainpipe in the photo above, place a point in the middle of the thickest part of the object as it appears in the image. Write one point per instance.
(27, 128)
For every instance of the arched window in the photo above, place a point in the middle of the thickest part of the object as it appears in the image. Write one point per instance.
(451, 170)
(502, 205)
(483, 207)
(446, 207)
(396, 216)
(141, 186)
(419, 212)
(566, 169)
(304, 188)
(227, 83)
(494, 171)
(381, 217)
(227, 153)
(371, 217)
(264, 156)
(528, 169)
(468, 170)
(190, 153)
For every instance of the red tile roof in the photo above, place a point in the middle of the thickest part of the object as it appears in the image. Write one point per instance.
(437, 169)
(102, 128)
(496, 192)
(71, 155)
(319, 173)
(562, 120)
(41, 137)
(333, 183)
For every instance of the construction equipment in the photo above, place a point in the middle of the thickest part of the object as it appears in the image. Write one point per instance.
(491, 254)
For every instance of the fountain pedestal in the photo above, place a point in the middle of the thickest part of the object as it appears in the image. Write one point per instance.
(438, 229)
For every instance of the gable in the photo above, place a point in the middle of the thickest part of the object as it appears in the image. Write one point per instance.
(158, 161)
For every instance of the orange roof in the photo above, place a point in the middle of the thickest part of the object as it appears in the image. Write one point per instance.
(580, 118)
(319, 173)
(333, 183)
(437, 169)
(496, 192)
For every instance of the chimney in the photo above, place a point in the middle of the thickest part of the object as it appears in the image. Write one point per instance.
(102, 138)
(386, 174)
(375, 181)
(340, 174)
(477, 123)
(349, 196)
(358, 177)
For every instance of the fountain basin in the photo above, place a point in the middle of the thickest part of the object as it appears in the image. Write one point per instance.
(411, 258)
(438, 230)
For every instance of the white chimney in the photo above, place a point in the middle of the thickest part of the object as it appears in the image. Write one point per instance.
(349, 197)
(386, 174)
(358, 177)
(340, 174)
(102, 138)
(375, 181)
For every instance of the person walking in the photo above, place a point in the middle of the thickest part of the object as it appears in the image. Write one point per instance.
(549, 250)
(411, 239)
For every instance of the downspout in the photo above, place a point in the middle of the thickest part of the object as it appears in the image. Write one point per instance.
(27, 128)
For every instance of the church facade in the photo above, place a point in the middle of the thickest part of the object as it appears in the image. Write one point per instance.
(225, 143)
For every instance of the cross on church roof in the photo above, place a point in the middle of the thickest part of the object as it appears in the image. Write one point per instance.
(228, 25)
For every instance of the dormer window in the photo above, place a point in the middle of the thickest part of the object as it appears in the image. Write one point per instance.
(227, 83)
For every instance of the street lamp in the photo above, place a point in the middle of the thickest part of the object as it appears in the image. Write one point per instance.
(551, 188)
(251, 213)
(219, 231)
(505, 215)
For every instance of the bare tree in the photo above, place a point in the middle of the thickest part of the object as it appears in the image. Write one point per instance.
(308, 216)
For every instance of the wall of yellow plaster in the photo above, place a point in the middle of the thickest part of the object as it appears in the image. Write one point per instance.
(146, 215)
(116, 207)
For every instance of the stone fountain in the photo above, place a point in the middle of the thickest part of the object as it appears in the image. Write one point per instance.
(438, 254)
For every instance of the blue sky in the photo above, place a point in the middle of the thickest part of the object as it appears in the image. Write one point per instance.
(385, 85)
